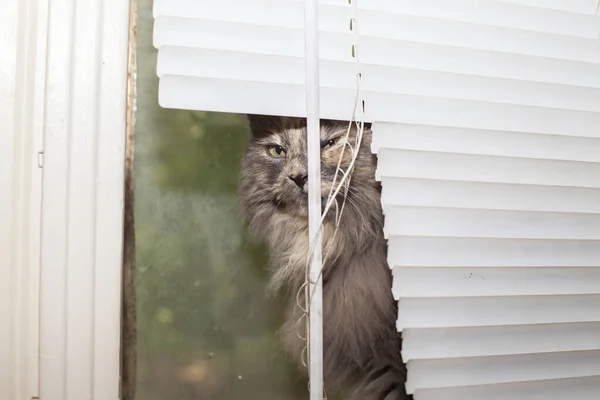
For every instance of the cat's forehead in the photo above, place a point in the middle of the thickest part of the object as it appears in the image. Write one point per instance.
(325, 131)
(297, 136)
(283, 137)
(282, 128)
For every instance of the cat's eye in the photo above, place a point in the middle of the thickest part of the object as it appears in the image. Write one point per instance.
(276, 151)
(329, 143)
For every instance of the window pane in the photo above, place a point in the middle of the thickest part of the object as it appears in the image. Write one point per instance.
(205, 328)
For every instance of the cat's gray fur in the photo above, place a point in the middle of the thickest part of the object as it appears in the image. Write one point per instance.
(361, 345)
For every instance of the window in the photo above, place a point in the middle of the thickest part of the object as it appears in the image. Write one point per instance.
(205, 328)
(485, 116)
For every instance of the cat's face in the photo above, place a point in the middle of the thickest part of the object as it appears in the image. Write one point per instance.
(274, 170)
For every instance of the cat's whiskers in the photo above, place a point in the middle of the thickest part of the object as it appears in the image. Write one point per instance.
(262, 199)
(331, 242)
(258, 194)
(276, 207)
(358, 211)
(357, 195)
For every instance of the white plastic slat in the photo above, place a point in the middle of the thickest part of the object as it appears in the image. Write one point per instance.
(221, 95)
(480, 252)
(454, 33)
(483, 62)
(493, 196)
(207, 34)
(447, 312)
(210, 94)
(455, 222)
(479, 115)
(441, 343)
(208, 63)
(485, 89)
(481, 168)
(477, 282)
(501, 369)
(492, 12)
(226, 65)
(488, 142)
(289, 13)
(586, 388)
(181, 31)
(219, 35)
(285, 13)
(578, 6)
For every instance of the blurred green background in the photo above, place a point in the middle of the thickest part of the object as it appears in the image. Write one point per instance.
(205, 328)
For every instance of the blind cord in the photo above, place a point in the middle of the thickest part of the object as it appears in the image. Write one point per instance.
(357, 118)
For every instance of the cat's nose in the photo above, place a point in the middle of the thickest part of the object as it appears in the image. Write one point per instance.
(299, 178)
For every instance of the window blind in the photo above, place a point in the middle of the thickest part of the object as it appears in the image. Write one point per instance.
(486, 119)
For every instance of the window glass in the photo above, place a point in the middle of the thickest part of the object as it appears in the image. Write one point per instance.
(205, 329)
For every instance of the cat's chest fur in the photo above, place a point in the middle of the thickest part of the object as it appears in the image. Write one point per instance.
(356, 280)
(290, 250)
(358, 308)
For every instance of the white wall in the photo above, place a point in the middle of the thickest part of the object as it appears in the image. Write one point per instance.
(63, 79)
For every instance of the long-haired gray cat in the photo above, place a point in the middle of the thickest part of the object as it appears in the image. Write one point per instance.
(361, 345)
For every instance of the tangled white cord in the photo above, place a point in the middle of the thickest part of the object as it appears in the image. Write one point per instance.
(344, 183)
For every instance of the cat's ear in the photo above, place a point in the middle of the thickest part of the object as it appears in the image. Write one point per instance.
(262, 125)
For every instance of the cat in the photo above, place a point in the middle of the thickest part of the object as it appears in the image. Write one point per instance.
(361, 345)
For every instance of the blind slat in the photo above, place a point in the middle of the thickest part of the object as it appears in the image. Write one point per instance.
(225, 65)
(485, 252)
(501, 369)
(492, 196)
(455, 222)
(441, 343)
(586, 388)
(333, 14)
(492, 12)
(485, 142)
(580, 6)
(483, 168)
(490, 281)
(376, 51)
(201, 33)
(488, 311)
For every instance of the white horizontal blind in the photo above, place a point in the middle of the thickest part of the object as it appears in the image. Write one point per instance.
(491, 194)
(487, 131)
(409, 49)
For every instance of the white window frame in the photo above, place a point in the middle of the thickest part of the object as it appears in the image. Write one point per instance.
(22, 27)
(82, 209)
(63, 98)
